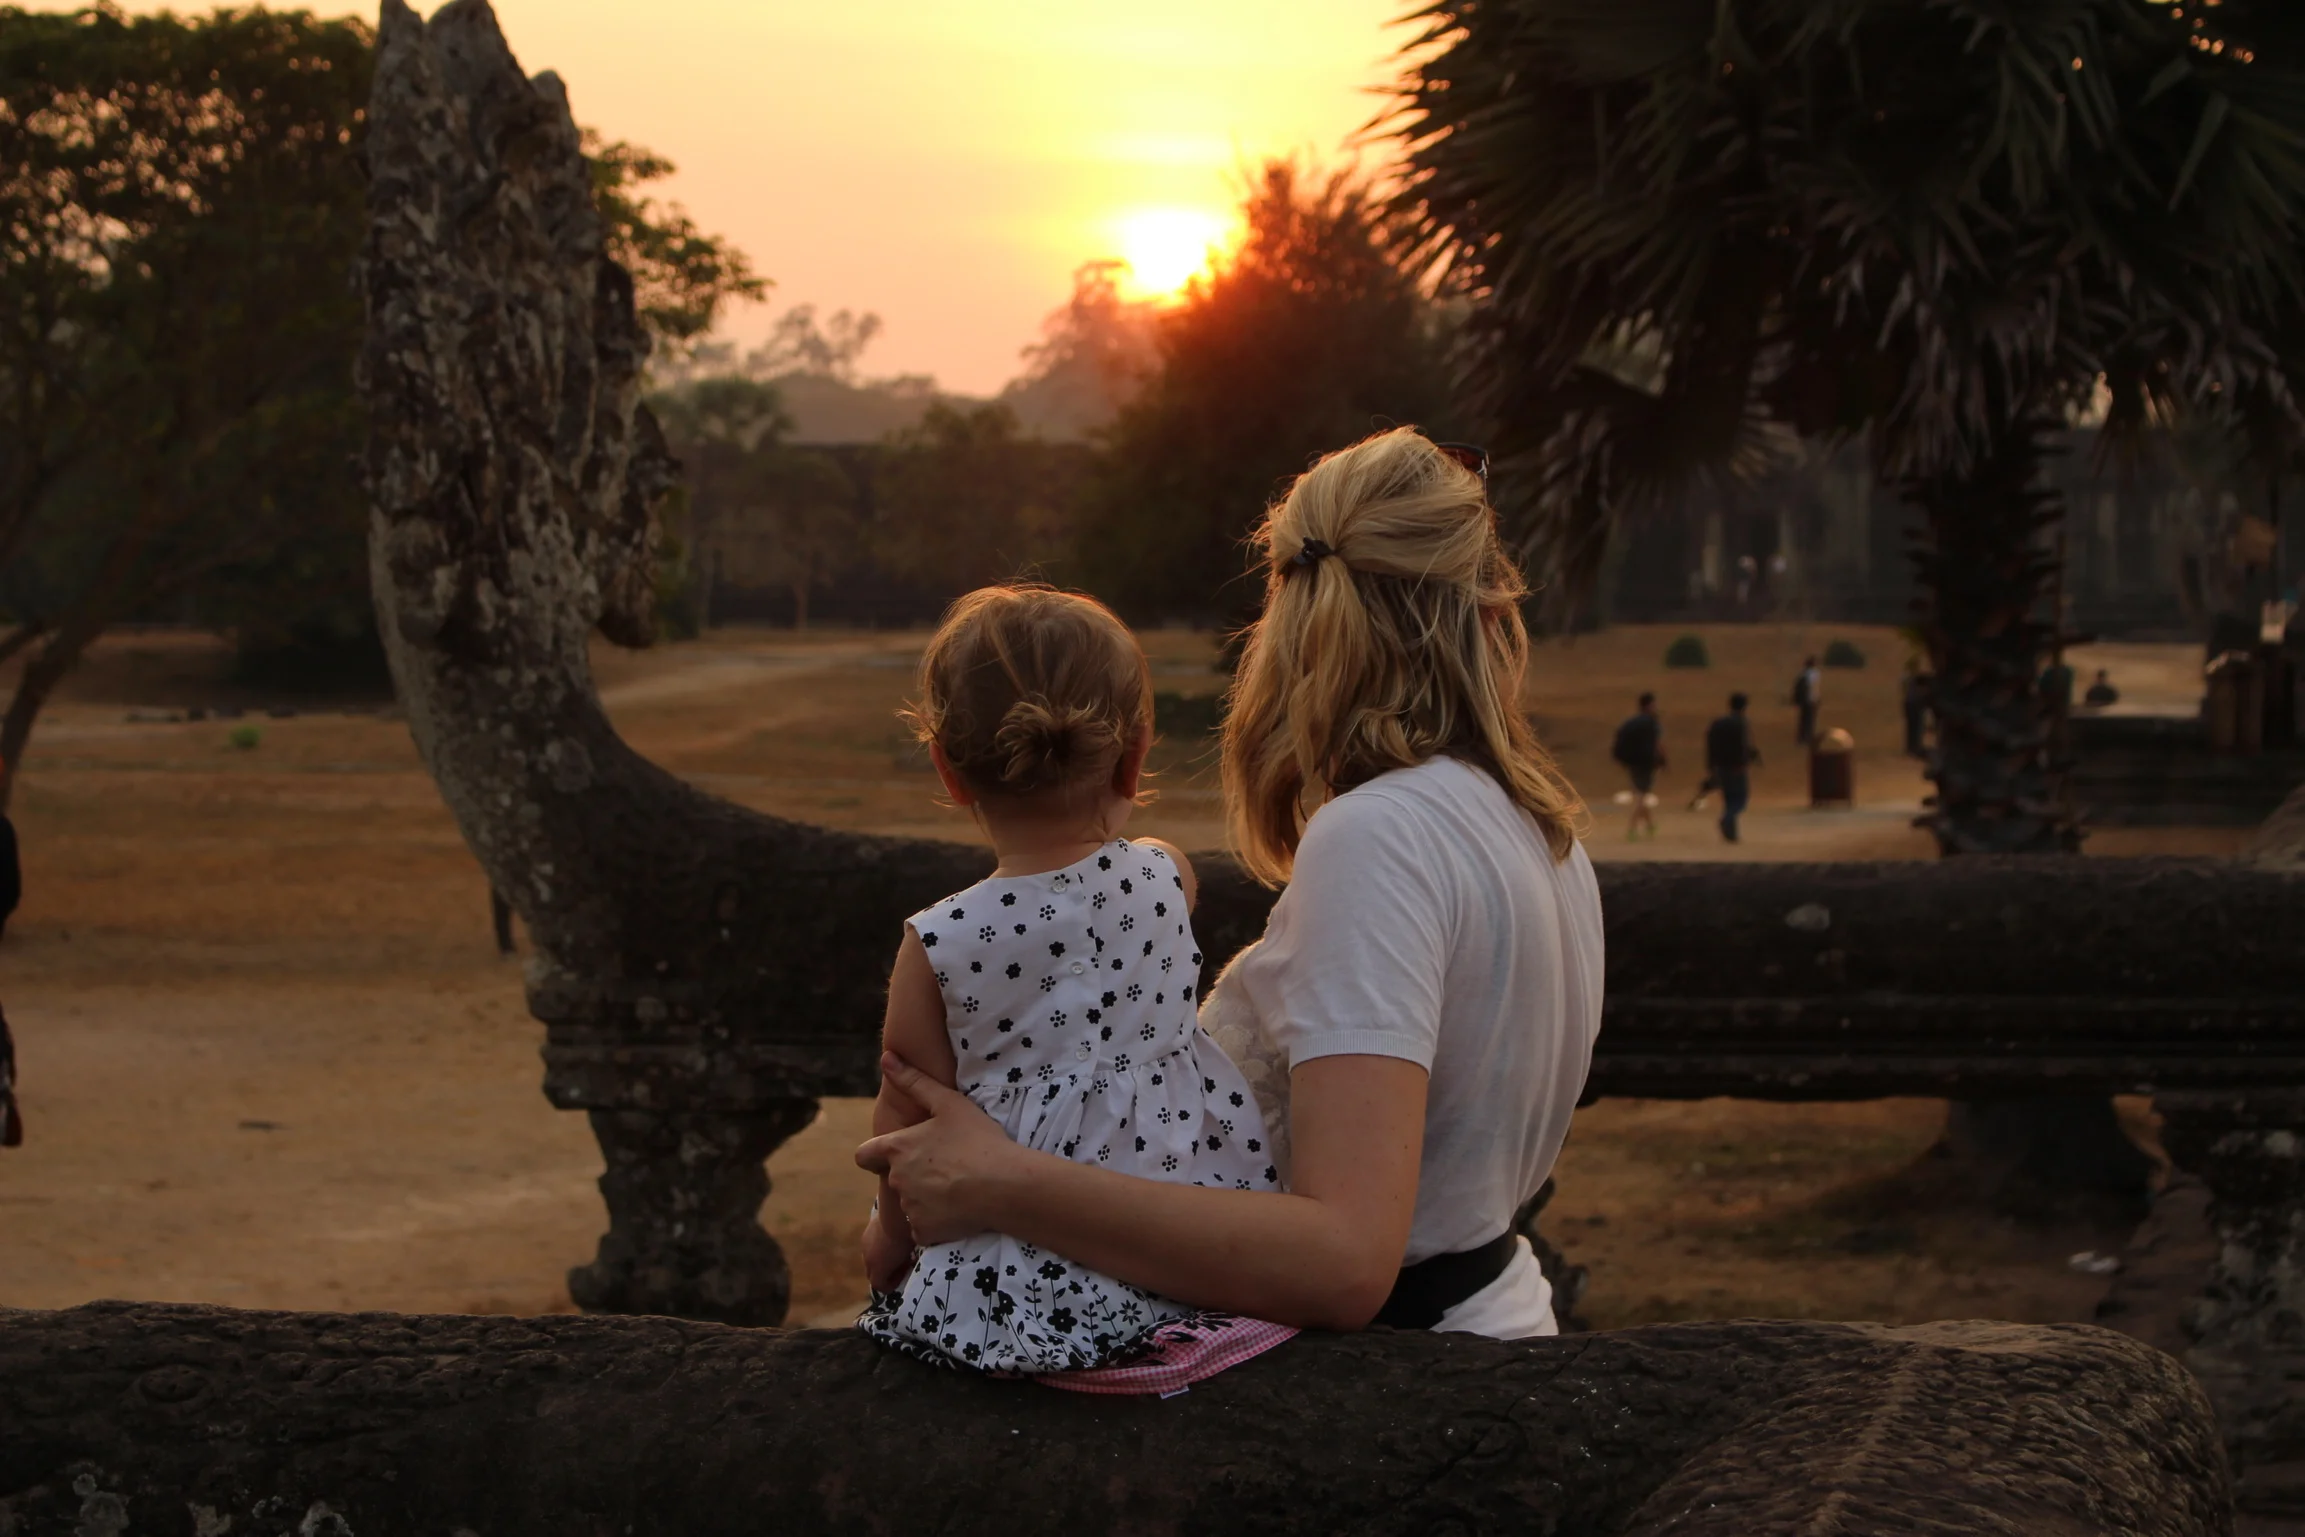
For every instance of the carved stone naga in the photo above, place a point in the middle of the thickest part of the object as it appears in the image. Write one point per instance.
(696, 963)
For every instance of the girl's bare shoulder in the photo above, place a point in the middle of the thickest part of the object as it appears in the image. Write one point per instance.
(1185, 874)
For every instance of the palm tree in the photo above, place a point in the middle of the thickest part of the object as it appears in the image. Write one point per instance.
(1694, 231)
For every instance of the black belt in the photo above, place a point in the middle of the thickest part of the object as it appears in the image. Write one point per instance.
(1430, 1287)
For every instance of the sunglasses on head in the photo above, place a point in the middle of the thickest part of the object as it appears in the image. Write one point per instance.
(1471, 455)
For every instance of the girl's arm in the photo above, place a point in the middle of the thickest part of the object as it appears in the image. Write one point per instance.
(1184, 868)
(913, 1028)
(1323, 1256)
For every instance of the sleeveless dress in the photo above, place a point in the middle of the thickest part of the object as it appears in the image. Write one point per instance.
(1230, 1020)
(1069, 998)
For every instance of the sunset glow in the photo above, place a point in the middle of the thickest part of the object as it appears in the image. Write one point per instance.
(948, 164)
(1165, 247)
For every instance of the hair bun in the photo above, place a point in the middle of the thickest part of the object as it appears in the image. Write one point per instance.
(1028, 690)
(1040, 743)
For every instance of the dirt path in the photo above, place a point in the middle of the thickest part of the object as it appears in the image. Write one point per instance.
(269, 1057)
(336, 1145)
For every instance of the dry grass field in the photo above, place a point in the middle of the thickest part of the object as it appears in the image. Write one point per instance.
(269, 1057)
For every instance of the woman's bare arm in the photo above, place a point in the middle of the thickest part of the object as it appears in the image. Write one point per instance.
(1323, 1256)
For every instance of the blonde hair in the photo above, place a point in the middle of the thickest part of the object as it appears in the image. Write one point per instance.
(1391, 633)
(1028, 690)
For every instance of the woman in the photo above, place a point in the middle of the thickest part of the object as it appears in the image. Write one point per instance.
(1431, 976)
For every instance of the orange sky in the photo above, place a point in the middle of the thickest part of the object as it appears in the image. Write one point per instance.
(947, 163)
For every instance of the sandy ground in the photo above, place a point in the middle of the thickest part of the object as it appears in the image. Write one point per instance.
(269, 1057)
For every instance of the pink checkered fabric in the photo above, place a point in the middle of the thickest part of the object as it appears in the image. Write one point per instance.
(1183, 1352)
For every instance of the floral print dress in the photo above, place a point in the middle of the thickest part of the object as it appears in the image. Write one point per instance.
(1069, 997)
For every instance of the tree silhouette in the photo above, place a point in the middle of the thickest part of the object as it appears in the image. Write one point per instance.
(1692, 231)
(1307, 336)
(966, 498)
(181, 204)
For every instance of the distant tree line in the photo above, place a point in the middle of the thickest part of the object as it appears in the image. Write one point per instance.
(886, 532)
(1308, 334)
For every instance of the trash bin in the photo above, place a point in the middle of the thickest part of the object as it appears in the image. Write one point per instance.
(2236, 704)
(2277, 682)
(1833, 769)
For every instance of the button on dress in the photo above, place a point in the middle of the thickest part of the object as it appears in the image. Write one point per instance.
(1069, 998)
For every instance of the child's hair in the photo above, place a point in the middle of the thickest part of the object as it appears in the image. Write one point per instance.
(1391, 633)
(1026, 690)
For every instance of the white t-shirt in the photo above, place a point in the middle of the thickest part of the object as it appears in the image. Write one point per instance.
(1427, 920)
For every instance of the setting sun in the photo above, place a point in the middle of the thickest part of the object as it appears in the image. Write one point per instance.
(1164, 247)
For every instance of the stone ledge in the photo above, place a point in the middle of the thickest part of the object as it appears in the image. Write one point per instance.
(124, 1417)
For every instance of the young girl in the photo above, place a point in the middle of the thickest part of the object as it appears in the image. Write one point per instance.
(1058, 994)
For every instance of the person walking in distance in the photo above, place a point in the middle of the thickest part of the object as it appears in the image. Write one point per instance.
(1808, 692)
(1729, 758)
(11, 868)
(1915, 701)
(11, 1123)
(1640, 750)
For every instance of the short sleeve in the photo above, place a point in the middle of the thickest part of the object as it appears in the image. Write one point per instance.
(1363, 953)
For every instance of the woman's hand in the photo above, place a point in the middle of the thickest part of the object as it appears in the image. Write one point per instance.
(947, 1169)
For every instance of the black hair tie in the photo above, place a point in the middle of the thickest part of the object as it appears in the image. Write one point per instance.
(1314, 552)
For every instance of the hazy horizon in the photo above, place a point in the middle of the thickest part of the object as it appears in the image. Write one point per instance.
(948, 165)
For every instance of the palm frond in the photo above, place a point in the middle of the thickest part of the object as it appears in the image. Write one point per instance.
(1916, 219)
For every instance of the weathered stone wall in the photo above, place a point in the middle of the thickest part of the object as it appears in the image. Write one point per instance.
(130, 1419)
(512, 473)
